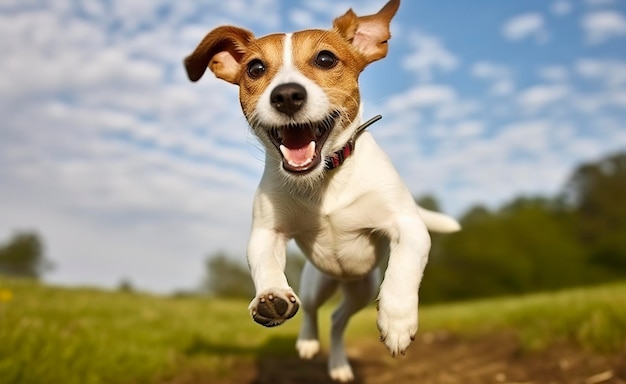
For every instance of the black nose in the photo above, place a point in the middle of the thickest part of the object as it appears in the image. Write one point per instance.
(288, 98)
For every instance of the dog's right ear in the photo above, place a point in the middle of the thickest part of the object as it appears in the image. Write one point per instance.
(221, 50)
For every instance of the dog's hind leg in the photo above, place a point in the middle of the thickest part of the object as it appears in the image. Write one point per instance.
(356, 295)
(315, 289)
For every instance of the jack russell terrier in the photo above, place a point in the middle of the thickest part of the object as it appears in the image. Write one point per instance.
(326, 183)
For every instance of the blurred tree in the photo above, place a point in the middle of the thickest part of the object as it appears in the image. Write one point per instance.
(22, 256)
(522, 247)
(293, 270)
(428, 202)
(476, 214)
(228, 278)
(597, 192)
(125, 285)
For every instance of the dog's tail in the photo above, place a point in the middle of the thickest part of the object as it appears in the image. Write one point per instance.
(438, 222)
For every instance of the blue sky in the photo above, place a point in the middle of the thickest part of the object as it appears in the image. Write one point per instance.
(127, 170)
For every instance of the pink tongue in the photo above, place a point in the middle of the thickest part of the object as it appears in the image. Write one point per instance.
(299, 156)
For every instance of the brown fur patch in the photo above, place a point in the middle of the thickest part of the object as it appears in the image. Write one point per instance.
(268, 49)
(339, 82)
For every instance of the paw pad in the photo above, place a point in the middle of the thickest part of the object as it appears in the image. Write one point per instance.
(273, 310)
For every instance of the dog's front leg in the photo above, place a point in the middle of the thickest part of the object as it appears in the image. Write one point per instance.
(398, 296)
(275, 301)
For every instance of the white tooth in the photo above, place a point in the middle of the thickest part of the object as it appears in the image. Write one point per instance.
(300, 165)
(285, 152)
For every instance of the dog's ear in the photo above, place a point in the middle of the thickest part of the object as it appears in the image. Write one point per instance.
(368, 34)
(221, 50)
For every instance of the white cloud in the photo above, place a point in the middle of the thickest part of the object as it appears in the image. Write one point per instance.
(429, 56)
(524, 26)
(618, 98)
(531, 135)
(329, 9)
(540, 96)
(599, 103)
(302, 18)
(488, 70)
(500, 77)
(554, 73)
(261, 13)
(456, 110)
(502, 88)
(524, 156)
(469, 128)
(321, 13)
(611, 73)
(517, 157)
(589, 103)
(600, 3)
(601, 26)
(461, 130)
(421, 96)
(561, 7)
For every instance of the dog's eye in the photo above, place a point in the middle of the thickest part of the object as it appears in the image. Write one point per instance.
(326, 60)
(256, 68)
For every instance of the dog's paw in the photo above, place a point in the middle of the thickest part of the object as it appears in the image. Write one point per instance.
(307, 349)
(342, 374)
(273, 306)
(397, 325)
(338, 366)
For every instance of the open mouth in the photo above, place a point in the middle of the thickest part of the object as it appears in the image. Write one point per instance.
(301, 144)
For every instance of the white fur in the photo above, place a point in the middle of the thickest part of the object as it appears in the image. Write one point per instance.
(344, 227)
(345, 221)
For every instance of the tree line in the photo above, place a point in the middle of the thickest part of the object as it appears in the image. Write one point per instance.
(577, 237)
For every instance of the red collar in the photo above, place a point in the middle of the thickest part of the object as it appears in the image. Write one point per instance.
(337, 158)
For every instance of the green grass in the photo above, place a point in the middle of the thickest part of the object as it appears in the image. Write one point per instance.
(60, 335)
(593, 318)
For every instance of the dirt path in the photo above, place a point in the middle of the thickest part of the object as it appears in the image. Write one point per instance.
(444, 359)
(435, 359)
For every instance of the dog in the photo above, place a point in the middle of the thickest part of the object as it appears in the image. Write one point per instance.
(326, 183)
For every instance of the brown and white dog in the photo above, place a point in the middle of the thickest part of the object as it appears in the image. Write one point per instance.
(326, 183)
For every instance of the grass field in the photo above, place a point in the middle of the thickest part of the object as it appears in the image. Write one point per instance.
(61, 335)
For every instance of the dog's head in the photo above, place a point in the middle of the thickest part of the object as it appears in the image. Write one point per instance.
(299, 92)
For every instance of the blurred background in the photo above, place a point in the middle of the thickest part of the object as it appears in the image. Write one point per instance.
(117, 172)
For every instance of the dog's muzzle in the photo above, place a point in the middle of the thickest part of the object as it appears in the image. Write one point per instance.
(300, 144)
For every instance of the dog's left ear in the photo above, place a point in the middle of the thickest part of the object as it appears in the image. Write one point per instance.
(368, 34)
